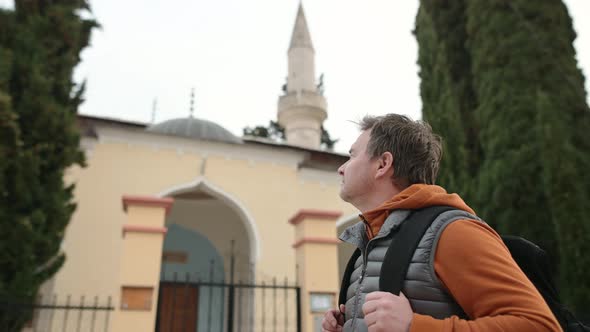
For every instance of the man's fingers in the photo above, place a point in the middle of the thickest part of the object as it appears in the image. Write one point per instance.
(340, 316)
(369, 306)
(370, 319)
(331, 320)
(375, 300)
(326, 326)
(330, 317)
(375, 295)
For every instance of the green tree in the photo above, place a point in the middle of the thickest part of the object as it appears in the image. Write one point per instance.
(276, 132)
(447, 95)
(326, 141)
(273, 131)
(40, 44)
(509, 69)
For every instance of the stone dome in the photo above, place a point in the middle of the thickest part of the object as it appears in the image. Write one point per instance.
(194, 128)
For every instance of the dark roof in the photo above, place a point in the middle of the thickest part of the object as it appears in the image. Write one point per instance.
(194, 128)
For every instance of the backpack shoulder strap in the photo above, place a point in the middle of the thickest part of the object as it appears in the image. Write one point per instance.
(404, 243)
(346, 276)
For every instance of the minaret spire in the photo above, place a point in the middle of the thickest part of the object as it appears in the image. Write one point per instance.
(301, 36)
(302, 108)
(301, 56)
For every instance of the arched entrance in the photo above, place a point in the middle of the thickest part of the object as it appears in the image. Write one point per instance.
(211, 241)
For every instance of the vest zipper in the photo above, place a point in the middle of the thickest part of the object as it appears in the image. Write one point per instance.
(358, 292)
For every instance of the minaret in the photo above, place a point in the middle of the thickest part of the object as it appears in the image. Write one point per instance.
(302, 109)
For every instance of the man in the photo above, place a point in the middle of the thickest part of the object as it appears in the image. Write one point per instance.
(463, 278)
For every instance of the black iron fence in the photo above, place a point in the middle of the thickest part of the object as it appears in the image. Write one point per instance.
(190, 304)
(212, 301)
(51, 314)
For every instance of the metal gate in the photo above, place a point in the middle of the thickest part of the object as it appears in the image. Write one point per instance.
(246, 307)
(189, 303)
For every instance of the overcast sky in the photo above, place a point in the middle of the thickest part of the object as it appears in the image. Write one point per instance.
(234, 53)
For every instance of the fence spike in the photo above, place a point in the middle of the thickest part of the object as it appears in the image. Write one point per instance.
(106, 325)
(65, 324)
(93, 319)
(286, 303)
(274, 303)
(80, 313)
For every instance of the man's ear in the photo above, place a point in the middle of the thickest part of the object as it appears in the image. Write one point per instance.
(385, 165)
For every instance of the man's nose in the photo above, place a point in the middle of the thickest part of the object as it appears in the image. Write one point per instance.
(341, 169)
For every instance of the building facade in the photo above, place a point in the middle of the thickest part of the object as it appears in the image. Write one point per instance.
(170, 216)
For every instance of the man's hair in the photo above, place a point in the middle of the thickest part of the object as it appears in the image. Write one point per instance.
(416, 150)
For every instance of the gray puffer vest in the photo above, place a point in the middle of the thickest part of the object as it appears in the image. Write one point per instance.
(422, 287)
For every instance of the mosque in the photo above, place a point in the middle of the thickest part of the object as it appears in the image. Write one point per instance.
(181, 221)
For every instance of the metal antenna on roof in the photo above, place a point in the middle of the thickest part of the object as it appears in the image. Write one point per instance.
(192, 107)
(154, 109)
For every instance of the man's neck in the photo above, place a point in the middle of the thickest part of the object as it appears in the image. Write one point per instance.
(377, 198)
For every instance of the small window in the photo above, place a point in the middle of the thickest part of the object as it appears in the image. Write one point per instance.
(321, 302)
(178, 257)
(136, 298)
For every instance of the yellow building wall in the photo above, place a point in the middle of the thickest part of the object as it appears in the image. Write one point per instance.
(269, 186)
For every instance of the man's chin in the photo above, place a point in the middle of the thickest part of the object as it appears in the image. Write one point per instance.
(343, 196)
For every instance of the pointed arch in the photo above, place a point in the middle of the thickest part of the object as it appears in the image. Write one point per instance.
(204, 185)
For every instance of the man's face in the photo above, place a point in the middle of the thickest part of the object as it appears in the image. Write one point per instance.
(358, 173)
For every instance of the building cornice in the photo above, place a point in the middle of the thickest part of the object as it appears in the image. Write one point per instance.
(165, 202)
(314, 214)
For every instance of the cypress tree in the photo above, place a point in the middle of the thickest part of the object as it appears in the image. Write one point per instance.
(40, 44)
(533, 107)
(510, 69)
(447, 95)
(504, 78)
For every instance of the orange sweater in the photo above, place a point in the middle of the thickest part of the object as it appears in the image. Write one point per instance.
(476, 267)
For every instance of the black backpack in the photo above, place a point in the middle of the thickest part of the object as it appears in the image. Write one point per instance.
(530, 258)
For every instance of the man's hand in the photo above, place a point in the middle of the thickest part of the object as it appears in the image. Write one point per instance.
(386, 312)
(333, 320)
